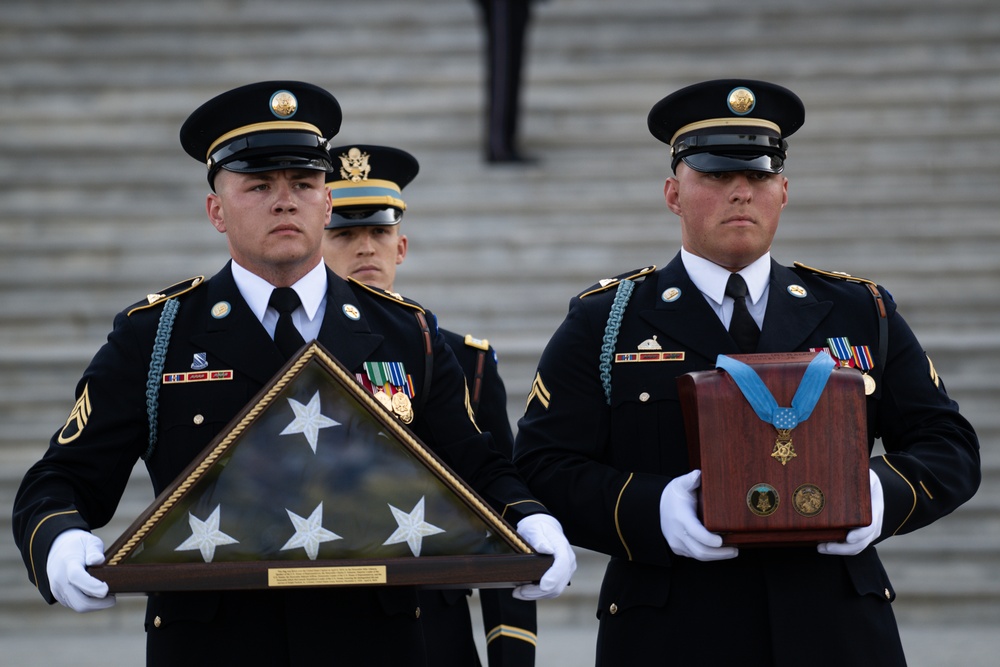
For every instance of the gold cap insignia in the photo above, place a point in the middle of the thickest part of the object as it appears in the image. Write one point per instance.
(284, 104)
(741, 101)
(354, 165)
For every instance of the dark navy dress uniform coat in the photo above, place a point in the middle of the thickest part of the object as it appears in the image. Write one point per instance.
(510, 624)
(601, 470)
(80, 480)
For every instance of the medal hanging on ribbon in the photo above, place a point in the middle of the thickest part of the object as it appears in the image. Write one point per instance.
(841, 349)
(764, 404)
(864, 358)
(391, 387)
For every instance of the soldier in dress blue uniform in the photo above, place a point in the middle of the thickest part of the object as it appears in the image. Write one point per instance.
(363, 242)
(266, 149)
(602, 441)
(505, 23)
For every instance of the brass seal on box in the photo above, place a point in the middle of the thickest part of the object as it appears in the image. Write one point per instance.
(808, 500)
(762, 499)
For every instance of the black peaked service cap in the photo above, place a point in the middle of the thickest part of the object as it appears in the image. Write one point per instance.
(263, 126)
(728, 125)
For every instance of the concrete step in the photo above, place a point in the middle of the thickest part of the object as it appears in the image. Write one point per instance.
(892, 178)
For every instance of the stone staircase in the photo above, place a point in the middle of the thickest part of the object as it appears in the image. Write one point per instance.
(893, 177)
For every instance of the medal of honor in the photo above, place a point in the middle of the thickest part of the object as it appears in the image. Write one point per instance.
(764, 404)
(783, 450)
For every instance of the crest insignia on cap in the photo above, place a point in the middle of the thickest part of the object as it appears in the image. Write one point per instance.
(741, 101)
(354, 165)
(284, 104)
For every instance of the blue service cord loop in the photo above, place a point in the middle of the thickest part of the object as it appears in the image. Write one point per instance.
(155, 375)
(763, 403)
(622, 296)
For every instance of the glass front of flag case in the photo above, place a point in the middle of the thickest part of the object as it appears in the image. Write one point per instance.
(317, 483)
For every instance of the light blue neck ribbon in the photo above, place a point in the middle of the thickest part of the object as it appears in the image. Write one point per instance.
(759, 396)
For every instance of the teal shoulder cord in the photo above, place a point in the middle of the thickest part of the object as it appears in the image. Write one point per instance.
(622, 296)
(156, 369)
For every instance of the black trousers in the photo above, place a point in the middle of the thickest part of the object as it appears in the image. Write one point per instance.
(767, 608)
(505, 23)
(285, 628)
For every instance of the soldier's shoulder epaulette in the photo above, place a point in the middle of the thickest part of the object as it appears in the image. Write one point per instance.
(165, 294)
(636, 275)
(394, 297)
(839, 275)
(477, 343)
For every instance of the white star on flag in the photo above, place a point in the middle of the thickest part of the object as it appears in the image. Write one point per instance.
(205, 535)
(308, 420)
(412, 527)
(309, 533)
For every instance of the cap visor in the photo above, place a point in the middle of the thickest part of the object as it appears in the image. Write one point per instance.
(276, 162)
(713, 162)
(386, 217)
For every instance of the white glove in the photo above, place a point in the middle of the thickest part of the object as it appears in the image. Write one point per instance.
(680, 525)
(859, 538)
(72, 551)
(545, 535)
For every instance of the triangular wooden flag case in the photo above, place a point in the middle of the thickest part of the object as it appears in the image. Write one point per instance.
(315, 483)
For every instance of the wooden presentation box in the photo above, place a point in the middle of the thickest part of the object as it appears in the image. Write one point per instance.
(749, 496)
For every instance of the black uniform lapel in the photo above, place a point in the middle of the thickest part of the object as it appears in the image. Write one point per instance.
(792, 312)
(680, 311)
(345, 331)
(233, 335)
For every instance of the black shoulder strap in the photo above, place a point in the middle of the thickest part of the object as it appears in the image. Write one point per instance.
(883, 323)
(425, 332)
(477, 382)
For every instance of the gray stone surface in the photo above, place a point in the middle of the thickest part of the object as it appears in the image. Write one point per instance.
(893, 177)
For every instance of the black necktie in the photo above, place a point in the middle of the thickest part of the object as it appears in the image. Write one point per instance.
(286, 336)
(742, 327)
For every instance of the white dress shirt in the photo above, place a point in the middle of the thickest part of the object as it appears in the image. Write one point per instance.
(711, 279)
(311, 288)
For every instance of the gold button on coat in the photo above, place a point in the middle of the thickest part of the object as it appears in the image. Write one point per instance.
(198, 420)
(417, 613)
(888, 595)
(613, 608)
(644, 396)
(157, 622)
